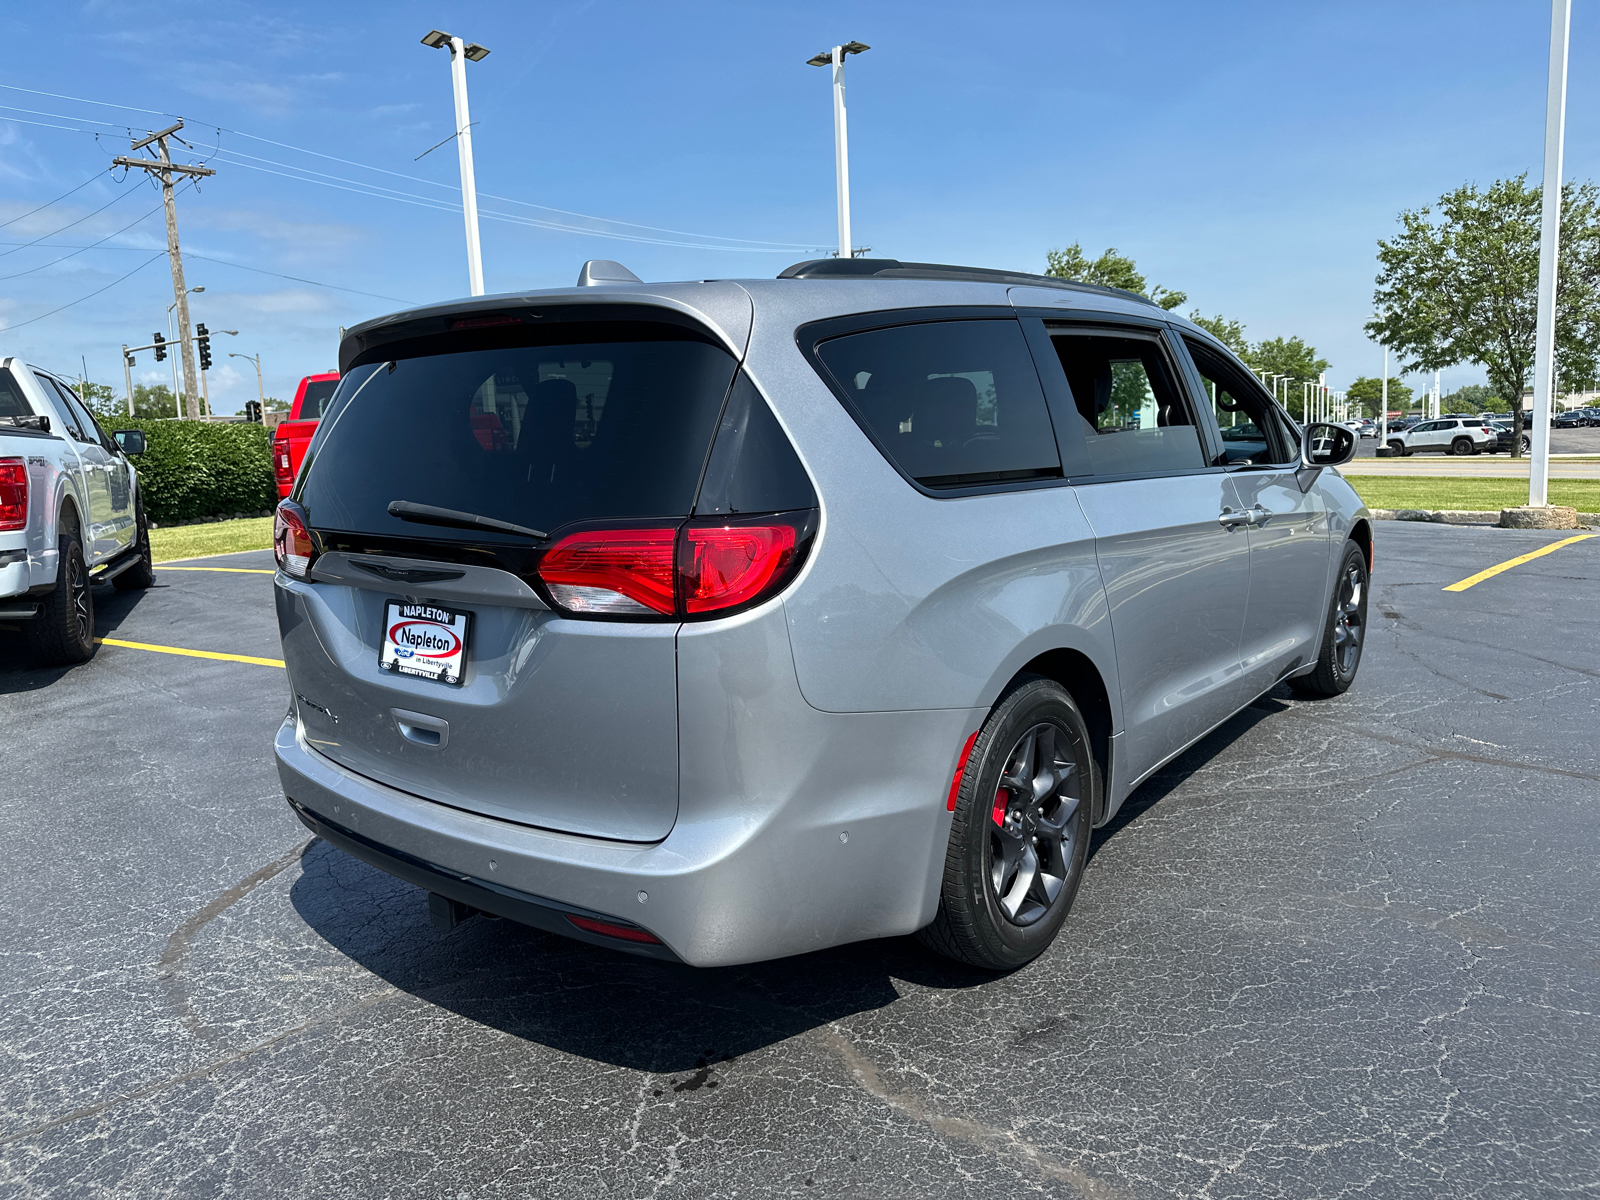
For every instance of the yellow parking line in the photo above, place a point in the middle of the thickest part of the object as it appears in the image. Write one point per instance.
(244, 658)
(229, 570)
(1470, 580)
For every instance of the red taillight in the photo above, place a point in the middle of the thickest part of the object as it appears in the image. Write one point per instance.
(694, 570)
(282, 466)
(727, 565)
(13, 493)
(612, 571)
(626, 933)
(291, 540)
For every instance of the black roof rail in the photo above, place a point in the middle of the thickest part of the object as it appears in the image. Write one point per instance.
(893, 268)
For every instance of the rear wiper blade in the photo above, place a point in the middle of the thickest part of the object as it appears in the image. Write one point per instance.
(427, 514)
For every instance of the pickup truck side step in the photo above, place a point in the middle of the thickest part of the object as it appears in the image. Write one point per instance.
(112, 569)
(19, 612)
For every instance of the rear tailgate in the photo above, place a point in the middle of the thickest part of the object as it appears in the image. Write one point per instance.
(558, 720)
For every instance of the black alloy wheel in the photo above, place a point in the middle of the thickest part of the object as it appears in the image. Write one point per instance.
(1462, 447)
(63, 631)
(1019, 839)
(1344, 634)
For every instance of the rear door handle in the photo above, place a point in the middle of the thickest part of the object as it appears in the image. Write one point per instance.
(1229, 519)
(1260, 516)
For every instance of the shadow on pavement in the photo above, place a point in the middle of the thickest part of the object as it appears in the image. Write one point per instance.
(592, 1002)
(632, 1012)
(17, 672)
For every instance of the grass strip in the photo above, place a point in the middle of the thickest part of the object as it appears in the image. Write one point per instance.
(222, 537)
(1477, 495)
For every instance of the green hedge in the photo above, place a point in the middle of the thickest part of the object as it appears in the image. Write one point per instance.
(199, 469)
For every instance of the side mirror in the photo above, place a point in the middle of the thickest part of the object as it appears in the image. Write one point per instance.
(1325, 445)
(131, 440)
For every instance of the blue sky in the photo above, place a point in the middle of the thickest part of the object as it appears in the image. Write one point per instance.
(1248, 154)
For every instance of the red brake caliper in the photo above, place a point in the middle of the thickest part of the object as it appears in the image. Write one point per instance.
(1000, 802)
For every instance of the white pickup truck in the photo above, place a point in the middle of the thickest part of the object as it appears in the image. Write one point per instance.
(70, 514)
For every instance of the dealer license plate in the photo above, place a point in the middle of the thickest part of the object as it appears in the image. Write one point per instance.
(425, 640)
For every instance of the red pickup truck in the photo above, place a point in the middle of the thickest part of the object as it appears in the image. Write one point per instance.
(293, 434)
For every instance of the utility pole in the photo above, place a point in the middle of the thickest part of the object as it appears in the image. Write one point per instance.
(1383, 420)
(127, 375)
(164, 169)
(841, 140)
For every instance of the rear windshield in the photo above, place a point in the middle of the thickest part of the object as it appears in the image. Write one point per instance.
(537, 435)
(317, 393)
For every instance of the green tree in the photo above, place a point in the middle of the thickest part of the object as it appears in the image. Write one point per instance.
(1290, 357)
(1229, 333)
(1366, 394)
(1109, 270)
(101, 400)
(1473, 398)
(273, 404)
(1460, 286)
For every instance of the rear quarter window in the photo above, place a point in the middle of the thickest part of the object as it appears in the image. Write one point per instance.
(951, 403)
(318, 392)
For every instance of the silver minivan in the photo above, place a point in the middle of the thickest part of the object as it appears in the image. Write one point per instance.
(727, 620)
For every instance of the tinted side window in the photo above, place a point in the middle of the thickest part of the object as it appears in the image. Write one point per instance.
(91, 428)
(1132, 417)
(951, 403)
(1251, 433)
(753, 468)
(74, 427)
(12, 403)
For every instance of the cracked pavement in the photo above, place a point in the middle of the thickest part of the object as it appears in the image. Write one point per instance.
(1340, 947)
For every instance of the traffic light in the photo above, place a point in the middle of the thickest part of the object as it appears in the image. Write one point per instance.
(130, 360)
(252, 411)
(203, 340)
(161, 347)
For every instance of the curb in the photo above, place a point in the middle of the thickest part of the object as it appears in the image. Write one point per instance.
(1457, 516)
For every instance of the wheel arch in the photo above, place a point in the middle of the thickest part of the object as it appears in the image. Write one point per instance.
(1077, 673)
(67, 514)
(1361, 535)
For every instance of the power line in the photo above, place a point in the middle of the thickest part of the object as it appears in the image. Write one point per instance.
(80, 249)
(746, 244)
(91, 295)
(70, 224)
(297, 279)
(48, 203)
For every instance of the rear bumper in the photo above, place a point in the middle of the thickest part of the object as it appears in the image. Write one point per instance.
(481, 894)
(831, 829)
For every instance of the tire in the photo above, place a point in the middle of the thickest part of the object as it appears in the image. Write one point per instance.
(1397, 449)
(1344, 630)
(1009, 885)
(63, 632)
(1462, 447)
(143, 575)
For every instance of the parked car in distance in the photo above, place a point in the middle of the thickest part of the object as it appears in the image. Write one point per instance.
(71, 513)
(730, 620)
(1444, 436)
(1574, 419)
(293, 434)
(1503, 437)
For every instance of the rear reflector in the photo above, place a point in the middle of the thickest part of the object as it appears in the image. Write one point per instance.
(291, 540)
(961, 767)
(612, 571)
(13, 494)
(626, 933)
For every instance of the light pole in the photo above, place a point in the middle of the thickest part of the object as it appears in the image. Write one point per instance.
(255, 359)
(841, 142)
(460, 52)
(1544, 340)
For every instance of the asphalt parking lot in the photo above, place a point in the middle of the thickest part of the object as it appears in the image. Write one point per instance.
(1340, 947)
